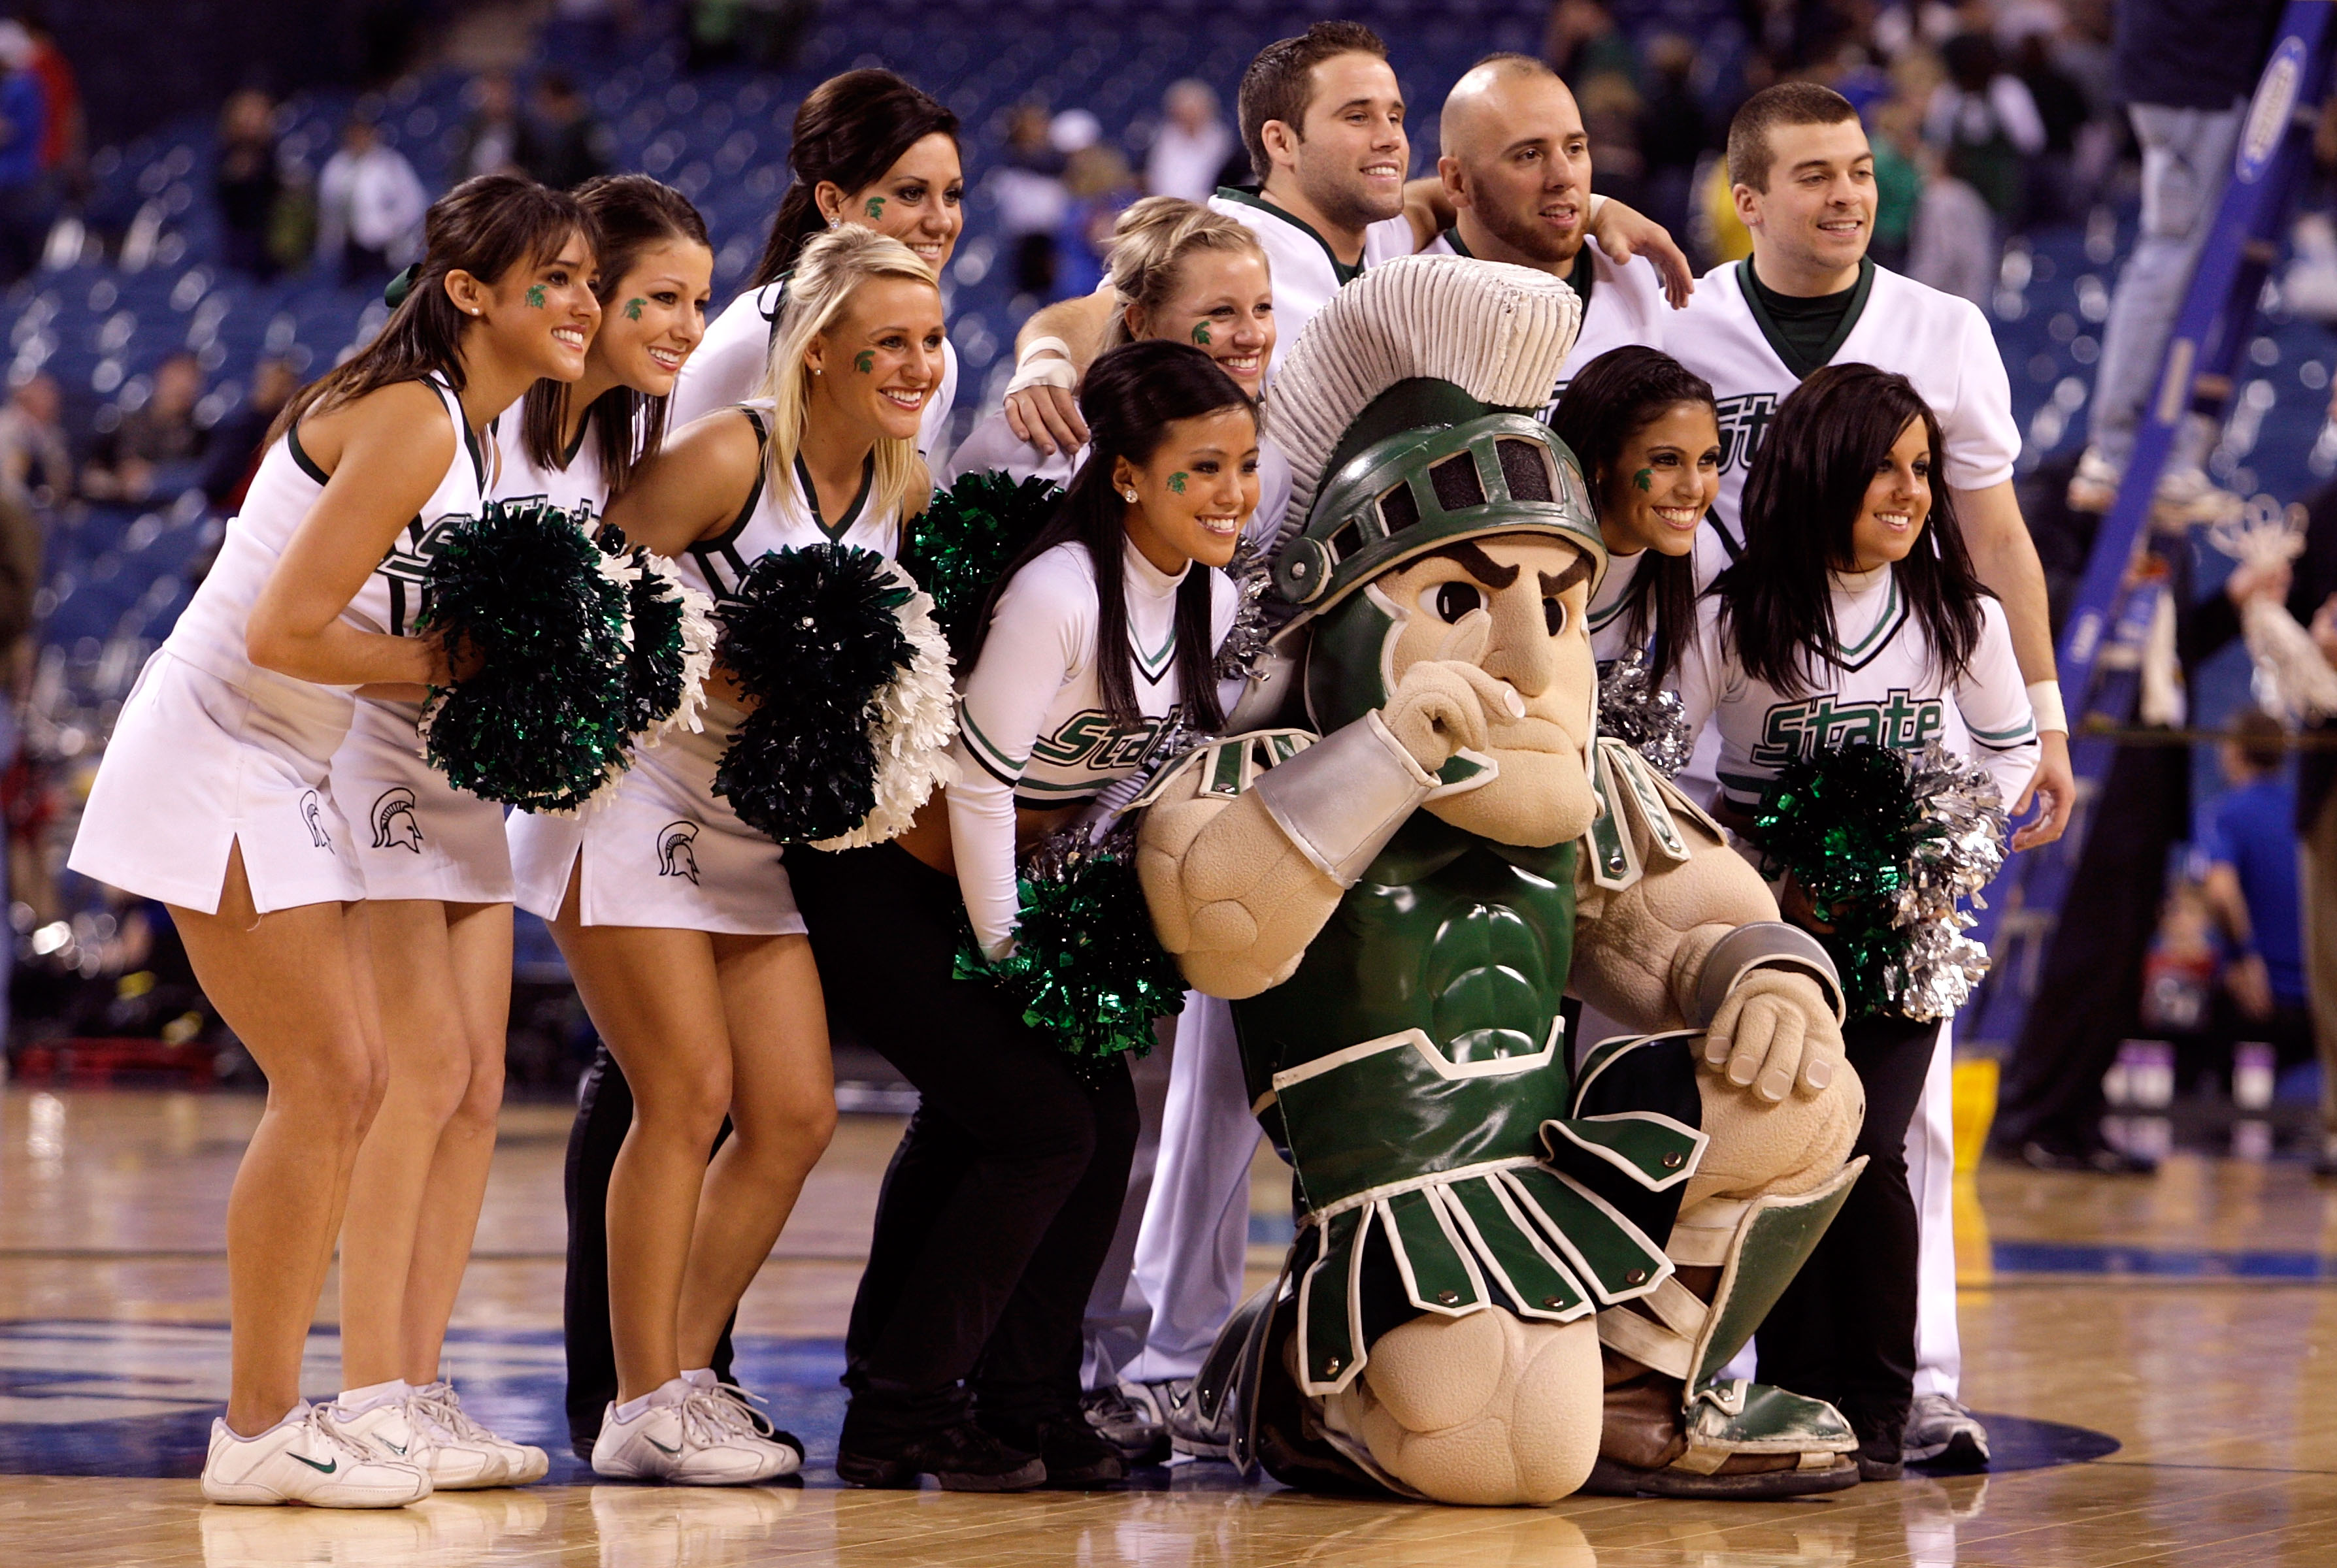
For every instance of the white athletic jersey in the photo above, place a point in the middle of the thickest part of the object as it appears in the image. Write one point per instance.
(1884, 687)
(209, 635)
(992, 446)
(1605, 616)
(577, 485)
(729, 364)
(1938, 341)
(779, 517)
(1032, 725)
(1624, 305)
(1306, 274)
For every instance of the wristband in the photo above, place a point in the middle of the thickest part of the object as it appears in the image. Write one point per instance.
(1029, 370)
(1590, 213)
(2045, 700)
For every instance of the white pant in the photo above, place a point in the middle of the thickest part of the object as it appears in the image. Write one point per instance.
(1175, 1273)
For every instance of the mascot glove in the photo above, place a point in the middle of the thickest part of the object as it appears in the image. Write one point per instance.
(1441, 705)
(1774, 1033)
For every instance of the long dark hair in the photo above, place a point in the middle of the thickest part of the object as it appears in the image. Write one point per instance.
(1131, 396)
(850, 129)
(1805, 491)
(1619, 395)
(485, 226)
(630, 212)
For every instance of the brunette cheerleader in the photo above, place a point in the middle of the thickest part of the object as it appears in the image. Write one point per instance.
(217, 796)
(676, 917)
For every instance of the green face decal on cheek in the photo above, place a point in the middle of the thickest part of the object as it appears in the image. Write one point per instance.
(865, 362)
(1645, 478)
(875, 207)
(1202, 333)
(633, 309)
(1176, 482)
(535, 295)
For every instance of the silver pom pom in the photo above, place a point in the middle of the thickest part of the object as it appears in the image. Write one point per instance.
(1941, 966)
(1644, 716)
(1252, 629)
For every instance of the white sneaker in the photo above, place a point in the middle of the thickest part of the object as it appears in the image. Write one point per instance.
(391, 1431)
(305, 1458)
(746, 1421)
(439, 1410)
(2094, 486)
(695, 1441)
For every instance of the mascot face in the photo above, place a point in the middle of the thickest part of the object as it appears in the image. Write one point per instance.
(1535, 590)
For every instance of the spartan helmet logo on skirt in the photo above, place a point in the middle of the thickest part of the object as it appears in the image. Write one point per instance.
(311, 808)
(675, 858)
(395, 826)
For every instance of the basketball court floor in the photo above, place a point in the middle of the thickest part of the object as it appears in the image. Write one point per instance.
(2157, 1358)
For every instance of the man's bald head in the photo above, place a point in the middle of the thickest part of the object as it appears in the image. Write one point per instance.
(1516, 163)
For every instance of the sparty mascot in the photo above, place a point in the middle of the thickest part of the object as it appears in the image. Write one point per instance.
(1519, 1268)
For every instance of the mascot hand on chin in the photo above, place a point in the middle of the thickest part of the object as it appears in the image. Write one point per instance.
(1518, 1274)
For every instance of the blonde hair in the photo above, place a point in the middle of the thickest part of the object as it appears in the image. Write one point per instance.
(1149, 246)
(828, 271)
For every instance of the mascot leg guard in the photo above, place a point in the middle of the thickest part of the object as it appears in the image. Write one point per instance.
(1674, 1426)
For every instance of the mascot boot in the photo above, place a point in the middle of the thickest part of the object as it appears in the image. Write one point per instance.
(1409, 851)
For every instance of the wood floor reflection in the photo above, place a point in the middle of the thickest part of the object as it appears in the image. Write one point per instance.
(2189, 1317)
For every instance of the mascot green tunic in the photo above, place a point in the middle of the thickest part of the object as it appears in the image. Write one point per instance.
(1520, 1267)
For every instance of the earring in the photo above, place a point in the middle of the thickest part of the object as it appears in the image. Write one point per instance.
(1128, 494)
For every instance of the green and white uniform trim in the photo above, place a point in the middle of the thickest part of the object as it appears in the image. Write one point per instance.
(1032, 729)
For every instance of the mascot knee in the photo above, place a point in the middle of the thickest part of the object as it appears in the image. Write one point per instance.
(1486, 1409)
(1788, 1148)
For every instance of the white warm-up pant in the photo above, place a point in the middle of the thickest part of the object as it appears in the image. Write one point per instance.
(1174, 1275)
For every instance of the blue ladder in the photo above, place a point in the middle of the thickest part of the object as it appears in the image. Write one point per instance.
(2101, 642)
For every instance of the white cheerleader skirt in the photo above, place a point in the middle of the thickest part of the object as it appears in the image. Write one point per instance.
(659, 848)
(198, 766)
(413, 834)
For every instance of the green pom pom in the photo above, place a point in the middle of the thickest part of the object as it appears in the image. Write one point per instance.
(1086, 968)
(960, 547)
(815, 636)
(541, 723)
(1848, 826)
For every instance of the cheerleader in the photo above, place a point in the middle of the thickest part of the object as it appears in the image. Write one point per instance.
(1182, 273)
(1854, 613)
(575, 447)
(1643, 430)
(677, 919)
(217, 794)
(868, 150)
(964, 1352)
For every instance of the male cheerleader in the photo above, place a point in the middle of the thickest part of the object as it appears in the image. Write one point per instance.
(1516, 171)
(1803, 178)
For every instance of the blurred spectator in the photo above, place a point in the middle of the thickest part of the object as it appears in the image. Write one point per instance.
(2055, 193)
(1951, 241)
(1610, 109)
(1985, 124)
(1098, 182)
(35, 457)
(248, 181)
(370, 204)
(2250, 848)
(159, 434)
(1582, 41)
(572, 144)
(237, 441)
(24, 128)
(2185, 68)
(64, 136)
(764, 33)
(1674, 132)
(1192, 146)
(1028, 188)
(496, 139)
(1898, 144)
(2178, 975)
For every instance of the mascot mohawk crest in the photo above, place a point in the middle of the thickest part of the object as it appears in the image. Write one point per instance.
(1519, 1268)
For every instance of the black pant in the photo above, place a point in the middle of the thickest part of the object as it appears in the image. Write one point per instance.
(604, 1113)
(1844, 1329)
(2089, 987)
(1002, 1200)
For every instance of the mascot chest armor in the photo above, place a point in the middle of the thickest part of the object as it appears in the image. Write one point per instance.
(1519, 1269)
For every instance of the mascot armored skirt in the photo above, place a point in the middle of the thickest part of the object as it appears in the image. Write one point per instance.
(1511, 1279)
